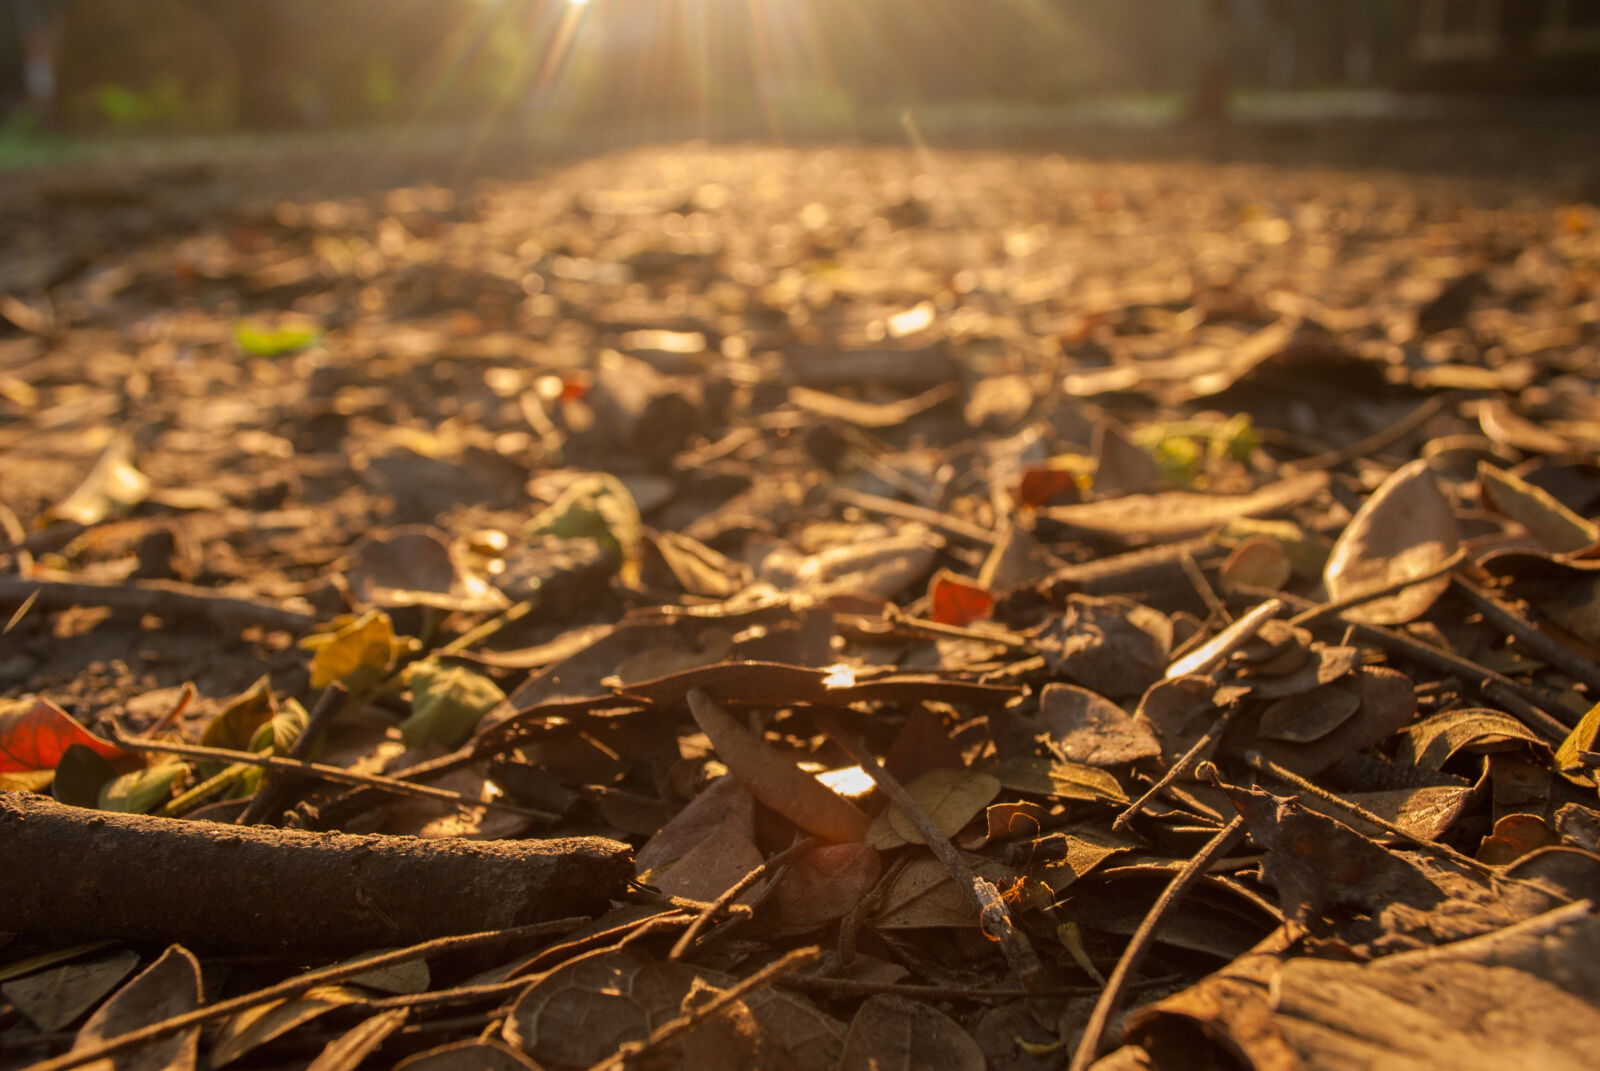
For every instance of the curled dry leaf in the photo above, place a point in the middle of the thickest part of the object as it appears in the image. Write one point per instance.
(413, 566)
(1086, 727)
(1407, 528)
(1174, 515)
(1551, 523)
(773, 779)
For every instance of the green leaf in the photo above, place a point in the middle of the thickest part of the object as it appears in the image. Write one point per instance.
(446, 704)
(279, 734)
(80, 775)
(139, 792)
(598, 507)
(262, 341)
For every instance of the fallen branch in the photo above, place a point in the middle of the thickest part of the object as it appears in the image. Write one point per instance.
(172, 602)
(72, 873)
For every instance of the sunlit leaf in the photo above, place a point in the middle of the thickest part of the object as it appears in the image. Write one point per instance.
(236, 724)
(598, 507)
(357, 653)
(259, 340)
(950, 799)
(955, 600)
(35, 733)
(447, 702)
(112, 487)
(1569, 756)
(140, 791)
(1407, 528)
(259, 1025)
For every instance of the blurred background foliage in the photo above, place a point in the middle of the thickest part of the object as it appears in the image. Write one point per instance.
(211, 65)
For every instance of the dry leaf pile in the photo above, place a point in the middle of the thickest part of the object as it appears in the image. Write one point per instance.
(811, 609)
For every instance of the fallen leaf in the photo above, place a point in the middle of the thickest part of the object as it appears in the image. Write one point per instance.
(112, 488)
(1406, 528)
(950, 799)
(1088, 728)
(955, 600)
(54, 999)
(773, 779)
(168, 987)
(447, 702)
(890, 1031)
(1172, 515)
(1553, 524)
(35, 733)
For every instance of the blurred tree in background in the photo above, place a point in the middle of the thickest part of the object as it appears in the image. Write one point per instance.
(224, 64)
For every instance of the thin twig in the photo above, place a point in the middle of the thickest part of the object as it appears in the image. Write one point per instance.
(1527, 634)
(855, 987)
(1110, 1002)
(939, 522)
(315, 770)
(294, 987)
(1261, 764)
(1203, 588)
(1196, 751)
(272, 793)
(985, 900)
(687, 939)
(1374, 442)
(169, 600)
(1211, 654)
(1307, 618)
(673, 1029)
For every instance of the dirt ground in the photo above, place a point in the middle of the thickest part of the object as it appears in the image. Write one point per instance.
(245, 380)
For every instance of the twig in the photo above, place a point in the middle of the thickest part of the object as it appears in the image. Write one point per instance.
(984, 898)
(1528, 635)
(687, 939)
(1261, 764)
(1306, 618)
(272, 793)
(1110, 1002)
(1211, 654)
(294, 987)
(316, 770)
(1207, 739)
(1541, 715)
(1203, 588)
(939, 522)
(673, 1029)
(855, 987)
(169, 600)
(1374, 442)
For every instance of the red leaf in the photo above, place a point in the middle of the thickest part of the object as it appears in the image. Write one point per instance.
(34, 735)
(955, 600)
(1047, 487)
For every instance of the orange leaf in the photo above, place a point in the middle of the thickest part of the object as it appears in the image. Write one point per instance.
(955, 600)
(34, 733)
(1041, 486)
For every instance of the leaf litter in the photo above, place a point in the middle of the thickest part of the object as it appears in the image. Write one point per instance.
(874, 654)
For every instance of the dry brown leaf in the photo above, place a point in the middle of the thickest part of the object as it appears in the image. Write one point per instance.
(1406, 528)
(170, 986)
(950, 798)
(890, 1031)
(1553, 524)
(1086, 727)
(1174, 515)
(773, 779)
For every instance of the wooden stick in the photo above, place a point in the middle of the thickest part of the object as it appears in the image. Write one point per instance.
(72, 873)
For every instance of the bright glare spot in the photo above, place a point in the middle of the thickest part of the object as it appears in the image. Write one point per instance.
(840, 675)
(849, 781)
(577, 3)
